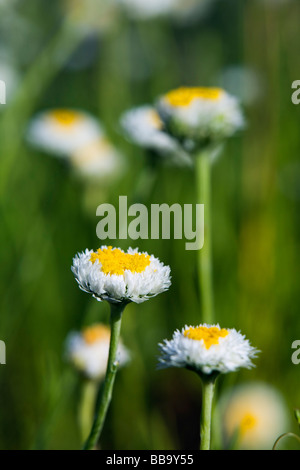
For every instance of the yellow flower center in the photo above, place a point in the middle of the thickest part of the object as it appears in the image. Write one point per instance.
(65, 117)
(94, 333)
(248, 422)
(115, 261)
(184, 96)
(155, 119)
(210, 335)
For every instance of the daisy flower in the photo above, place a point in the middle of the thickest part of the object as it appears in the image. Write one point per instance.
(63, 132)
(98, 159)
(207, 349)
(118, 277)
(88, 351)
(254, 415)
(200, 115)
(144, 127)
(201, 119)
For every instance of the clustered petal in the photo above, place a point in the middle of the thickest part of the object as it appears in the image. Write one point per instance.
(130, 286)
(143, 126)
(201, 114)
(231, 352)
(63, 131)
(88, 351)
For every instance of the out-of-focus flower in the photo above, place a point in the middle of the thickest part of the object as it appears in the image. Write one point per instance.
(88, 351)
(207, 349)
(244, 82)
(63, 132)
(115, 276)
(143, 126)
(253, 416)
(97, 160)
(91, 15)
(200, 115)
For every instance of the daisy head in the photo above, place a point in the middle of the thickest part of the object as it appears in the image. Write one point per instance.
(120, 277)
(88, 351)
(144, 127)
(207, 349)
(200, 115)
(63, 132)
(253, 416)
(98, 159)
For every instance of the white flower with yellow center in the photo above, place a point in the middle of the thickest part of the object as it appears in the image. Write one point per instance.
(207, 349)
(201, 115)
(253, 415)
(98, 159)
(113, 275)
(88, 351)
(143, 126)
(63, 131)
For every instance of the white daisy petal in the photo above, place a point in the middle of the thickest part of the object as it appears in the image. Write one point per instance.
(213, 350)
(200, 114)
(63, 131)
(113, 275)
(88, 351)
(98, 159)
(143, 126)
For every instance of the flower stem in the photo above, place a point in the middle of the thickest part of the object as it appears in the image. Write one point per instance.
(287, 434)
(208, 385)
(112, 367)
(87, 407)
(203, 167)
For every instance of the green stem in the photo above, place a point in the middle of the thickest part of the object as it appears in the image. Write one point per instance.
(111, 371)
(208, 385)
(287, 434)
(203, 167)
(87, 407)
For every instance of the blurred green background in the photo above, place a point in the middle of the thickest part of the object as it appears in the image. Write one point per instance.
(251, 47)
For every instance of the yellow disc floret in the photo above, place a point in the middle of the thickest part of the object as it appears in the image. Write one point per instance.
(210, 335)
(115, 261)
(184, 96)
(248, 422)
(95, 333)
(65, 117)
